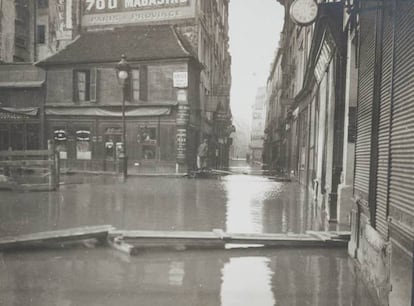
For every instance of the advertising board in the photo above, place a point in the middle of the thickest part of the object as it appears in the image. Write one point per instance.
(118, 12)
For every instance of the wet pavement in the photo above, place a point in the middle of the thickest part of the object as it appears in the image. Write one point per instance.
(234, 203)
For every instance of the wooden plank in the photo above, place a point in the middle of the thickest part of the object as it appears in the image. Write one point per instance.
(217, 239)
(25, 163)
(59, 236)
(36, 187)
(26, 153)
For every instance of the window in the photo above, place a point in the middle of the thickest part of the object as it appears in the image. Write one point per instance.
(42, 4)
(135, 84)
(32, 136)
(84, 85)
(41, 34)
(83, 144)
(60, 138)
(147, 137)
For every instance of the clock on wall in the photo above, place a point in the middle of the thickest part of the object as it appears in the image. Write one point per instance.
(303, 12)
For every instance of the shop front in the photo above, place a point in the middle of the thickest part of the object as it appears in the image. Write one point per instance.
(94, 143)
(19, 129)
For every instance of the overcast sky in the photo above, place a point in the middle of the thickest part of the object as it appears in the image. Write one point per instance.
(254, 34)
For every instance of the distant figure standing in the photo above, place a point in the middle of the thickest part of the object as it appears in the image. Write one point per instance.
(202, 155)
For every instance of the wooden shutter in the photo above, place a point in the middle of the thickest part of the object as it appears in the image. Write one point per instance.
(93, 84)
(365, 102)
(401, 197)
(143, 80)
(75, 85)
(381, 212)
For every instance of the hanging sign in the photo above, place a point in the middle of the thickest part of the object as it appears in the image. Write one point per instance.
(180, 79)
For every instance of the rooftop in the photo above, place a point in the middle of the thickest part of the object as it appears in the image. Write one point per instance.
(137, 43)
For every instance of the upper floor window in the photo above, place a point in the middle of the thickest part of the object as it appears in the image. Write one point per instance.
(135, 84)
(84, 85)
(41, 34)
(135, 89)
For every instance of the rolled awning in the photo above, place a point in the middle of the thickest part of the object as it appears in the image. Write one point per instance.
(98, 112)
(28, 111)
(22, 84)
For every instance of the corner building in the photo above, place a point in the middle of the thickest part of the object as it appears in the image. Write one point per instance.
(177, 92)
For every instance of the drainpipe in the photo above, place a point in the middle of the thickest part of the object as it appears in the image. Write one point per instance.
(34, 31)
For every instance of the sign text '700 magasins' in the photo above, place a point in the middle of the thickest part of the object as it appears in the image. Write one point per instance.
(106, 6)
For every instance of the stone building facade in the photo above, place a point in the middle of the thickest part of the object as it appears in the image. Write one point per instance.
(339, 120)
(84, 112)
(201, 26)
(306, 112)
(257, 127)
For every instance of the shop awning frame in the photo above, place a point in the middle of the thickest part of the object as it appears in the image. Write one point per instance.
(99, 112)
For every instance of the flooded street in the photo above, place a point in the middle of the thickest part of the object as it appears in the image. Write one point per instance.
(235, 203)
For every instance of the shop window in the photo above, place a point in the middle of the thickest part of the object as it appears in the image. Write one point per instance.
(147, 136)
(60, 138)
(32, 136)
(17, 136)
(83, 145)
(113, 144)
(41, 34)
(149, 151)
(4, 138)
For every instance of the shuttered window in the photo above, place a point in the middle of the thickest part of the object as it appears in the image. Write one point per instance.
(401, 195)
(381, 212)
(365, 101)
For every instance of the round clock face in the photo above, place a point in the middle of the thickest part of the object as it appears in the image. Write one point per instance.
(303, 12)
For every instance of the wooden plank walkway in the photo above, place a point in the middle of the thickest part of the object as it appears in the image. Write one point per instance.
(50, 238)
(133, 242)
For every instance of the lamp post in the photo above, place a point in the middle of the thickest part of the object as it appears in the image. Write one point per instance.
(123, 70)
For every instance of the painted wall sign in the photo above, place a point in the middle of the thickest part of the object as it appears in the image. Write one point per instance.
(110, 12)
(63, 22)
(180, 79)
(183, 114)
(181, 144)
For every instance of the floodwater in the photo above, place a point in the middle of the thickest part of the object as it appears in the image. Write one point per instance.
(235, 203)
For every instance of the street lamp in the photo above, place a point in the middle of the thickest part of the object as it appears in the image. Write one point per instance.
(123, 70)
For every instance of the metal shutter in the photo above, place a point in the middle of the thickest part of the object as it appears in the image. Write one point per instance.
(401, 195)
(381, 212)
(365, 100)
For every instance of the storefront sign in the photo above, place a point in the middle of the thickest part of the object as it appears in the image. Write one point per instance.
(181, 144)
(180, 79)
(107, 12)
(182, 95)
(12, 116)
(183, 114)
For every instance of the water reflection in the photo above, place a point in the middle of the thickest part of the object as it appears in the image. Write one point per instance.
(227, 278)
(237, 203)
(247, 281)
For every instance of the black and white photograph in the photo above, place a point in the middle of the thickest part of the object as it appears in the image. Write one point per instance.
(206, 152)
